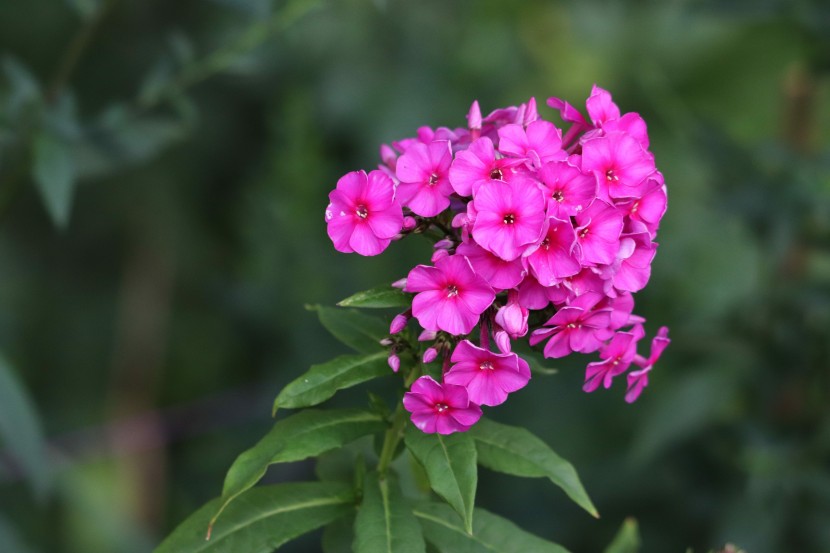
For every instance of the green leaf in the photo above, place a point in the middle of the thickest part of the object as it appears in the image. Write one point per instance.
(338, 536)
(54, 173)
(514, 450)
(262, 519)
(385, 523)
(357, 330)
(627, 539)
(298, 437)
(323, 381)
(10, 540)
(382, 296)
(20, 431)
(450, 464)
(491, 533)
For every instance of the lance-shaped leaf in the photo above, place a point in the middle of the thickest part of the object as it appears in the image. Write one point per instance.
(262, 519)
(491, 533)
(627, 539)
(298, 437)
(514, 450)
(321, 382)
(54, 174)
(382, 296)
(385, 523)
(450, 464)
(357, 330)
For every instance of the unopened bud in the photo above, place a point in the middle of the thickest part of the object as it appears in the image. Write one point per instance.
(474, 117)
(439, 254)
(409, 223)
(502, 341)
(387, 342)
(430, 354)
(399, 322)
(394, 362)
(427, 336)
(400, 283)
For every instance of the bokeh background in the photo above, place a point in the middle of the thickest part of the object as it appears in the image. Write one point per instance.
(164, 168)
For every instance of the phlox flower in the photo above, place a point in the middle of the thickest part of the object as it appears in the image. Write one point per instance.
(619, 163)
(449, 296)
(363, 215)
(423, 172)
(649, 209)
(442, 409)
(554, 258)
(574, 327)
(637, 380)
(632, 269)
(568, 189)
(512, 317)
(616, 357)
(487, 376)
(538, 144)
(500, 274)
(598, 233)
(478, 165)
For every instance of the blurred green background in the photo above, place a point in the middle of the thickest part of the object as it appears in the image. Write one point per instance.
(164, 168)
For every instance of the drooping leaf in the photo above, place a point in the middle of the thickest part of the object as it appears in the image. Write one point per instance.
(382, 296)
(20, 430)
(627, 539)
(357, 330)
(321, 382)
(298, 437)
(514, 450)
(491, 533)
(338, 536)
(450, 464)
(385, 523)
(54, 173)
(262, 519)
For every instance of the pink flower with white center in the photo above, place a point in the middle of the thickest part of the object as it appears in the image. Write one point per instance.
(637, 380)
(598, 233)
(569, 190)
(512, 317)
(488, 376)
(616, 358)
(574, 327)
(540, 143)
(651, 207)
(478, 165)
(509, 216)
(363, 215)
(554, 258)
(449, 296)
(423, 170)
(500, 274)
(619, 163)
(442, 409)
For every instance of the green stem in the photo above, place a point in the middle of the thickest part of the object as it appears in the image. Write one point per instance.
(395, 432)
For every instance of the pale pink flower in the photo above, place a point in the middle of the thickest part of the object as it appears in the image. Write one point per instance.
(423, 172)
(509, 216)
(363, 215)
(637, 380)
(488, 376)
(442, 409)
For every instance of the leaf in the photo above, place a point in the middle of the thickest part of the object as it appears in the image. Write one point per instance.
(321, 382)
(338, 536)
(491, 533)
(513, 450)
(385, 523)
(54, 173)
(262, 519)
(357, 330)
(450, 464)
(381, 296)
(10, 540)
(298, 437)
(627, 539)
(20, 431)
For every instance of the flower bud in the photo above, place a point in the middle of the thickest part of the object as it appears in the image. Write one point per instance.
(387, 342)
(399, 322)
(438, 254)
(474, 117)
(513, 317)
(409, 223)
(394, 362)
(430, 354)
(427, 336)
(502, 341)
(400, 283)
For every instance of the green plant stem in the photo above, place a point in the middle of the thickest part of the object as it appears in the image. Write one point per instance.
(394, 434)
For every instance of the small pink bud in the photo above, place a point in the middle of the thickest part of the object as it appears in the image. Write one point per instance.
(430, 354)
(409, 223)
(387, 342)
(444, 244)
(513, 317)
(394, 362)
(427, 336)
(400, 283)
(399, 322)
(388, 156)
(439, 254)
(502, 341)
(474, 116)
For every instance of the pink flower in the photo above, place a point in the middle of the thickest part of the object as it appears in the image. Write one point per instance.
(442, 409)
(569, 190)
(450, 296)
(616, 358)
(363, 215)
(509, 216)
(619, 163)
(512, 317)
(488, 376)
(478, 165)
(649, 209)
(633, 265)
(574, 327)
(554, 257)
(637, 380)
(540, 143)
(598, 233)
(601, 107)
(424, 174)
(500, 274)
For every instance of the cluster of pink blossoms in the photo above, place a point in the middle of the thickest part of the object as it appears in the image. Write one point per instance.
(533, 228)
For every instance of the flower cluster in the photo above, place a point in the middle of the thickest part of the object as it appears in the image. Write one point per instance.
(538, 233)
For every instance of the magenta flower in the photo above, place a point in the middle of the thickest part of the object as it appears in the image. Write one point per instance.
(619, 163)
(488, 376)
(616, 358)
(574, 327)
(569, 190)
(509, 216)
(512, 317)
(540, 143)
(633, 264)
(598, 233)
(500, 274)
(478, 165)
(637, 380)
(554, 257)
(649, 209)
(450, 296)
(363, 215)
(442, 409)
(423, 170)
(601, 107)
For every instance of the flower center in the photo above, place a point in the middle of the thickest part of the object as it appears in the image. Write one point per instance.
(574, 325)
(452, 291)
(610, 176)
(361, 211)
(509, 219)
(546, 243)
(496, 174)
(486, 366)
(583, 233)
(433, 179)
(558, 196)
(635, 206)
(441, 407)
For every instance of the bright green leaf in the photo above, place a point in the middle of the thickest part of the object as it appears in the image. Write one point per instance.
(262, 519)
(54, 173)
(514, 450)
(491, 533)
(627, 539)
(382, 296)
(20, 430)
(450, 464)
(323, 381)
(385, 523)
(357, 330)
(306, 434)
